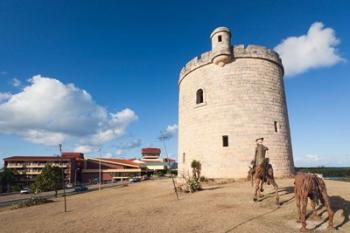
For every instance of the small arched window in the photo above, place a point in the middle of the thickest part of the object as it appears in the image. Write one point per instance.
(199, 96)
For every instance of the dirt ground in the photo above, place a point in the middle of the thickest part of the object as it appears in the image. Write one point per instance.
(151, 206)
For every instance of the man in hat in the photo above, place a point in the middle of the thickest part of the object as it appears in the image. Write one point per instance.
(262, 171)
(260, 152)
(259, 164)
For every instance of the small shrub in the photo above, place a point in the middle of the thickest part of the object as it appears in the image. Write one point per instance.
(34, 200)
(15, 188)
(194, 184)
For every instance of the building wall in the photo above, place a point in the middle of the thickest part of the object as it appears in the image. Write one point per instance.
(242, 100)
(88, 178)
(109, 170)
(28, 168)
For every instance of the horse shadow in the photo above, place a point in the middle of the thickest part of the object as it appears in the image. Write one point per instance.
(339, 203)
(282, 192)
(286, 190)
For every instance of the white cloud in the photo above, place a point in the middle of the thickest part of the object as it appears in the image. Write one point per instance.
(169, 132)
(4, 96)
(315, 49)
(316, 160)
(86, 148)
(312, 157)
(48, 112)
(16, 82)
(108, 155)
(43, 137)
(127, 146)
(114, 127)
(119, 152)
(130, 145)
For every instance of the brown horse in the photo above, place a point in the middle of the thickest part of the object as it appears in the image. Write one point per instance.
(311, 186)
(264, 174)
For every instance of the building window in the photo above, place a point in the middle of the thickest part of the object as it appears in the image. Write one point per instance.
(220, 38)
(276, 126)
(199, 98)
(183, 157)
(225, 141)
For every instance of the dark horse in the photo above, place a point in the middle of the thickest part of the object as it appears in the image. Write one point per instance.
(263, 174)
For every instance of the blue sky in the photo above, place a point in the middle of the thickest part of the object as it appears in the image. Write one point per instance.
(118, 63)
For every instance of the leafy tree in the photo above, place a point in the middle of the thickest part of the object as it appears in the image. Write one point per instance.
(49, 179)
(7, 177)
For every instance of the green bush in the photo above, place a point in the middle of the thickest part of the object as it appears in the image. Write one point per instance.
(194, 184)
(34, 200)
(15, 188)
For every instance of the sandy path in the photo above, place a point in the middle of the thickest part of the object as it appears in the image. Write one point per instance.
(151, 206)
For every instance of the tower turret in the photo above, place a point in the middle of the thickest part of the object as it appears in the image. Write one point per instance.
(221, 46)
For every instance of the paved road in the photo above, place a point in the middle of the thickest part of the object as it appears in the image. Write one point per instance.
(9, 199)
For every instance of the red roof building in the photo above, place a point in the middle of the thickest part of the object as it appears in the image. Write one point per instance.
(111, 170)
(26, 168)
(76, 167)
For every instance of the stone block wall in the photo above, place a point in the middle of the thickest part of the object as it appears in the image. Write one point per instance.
(243, 100)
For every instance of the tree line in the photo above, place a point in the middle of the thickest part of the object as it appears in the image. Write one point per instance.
(327, 171)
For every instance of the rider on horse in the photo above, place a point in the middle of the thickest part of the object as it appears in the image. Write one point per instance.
(262, 170)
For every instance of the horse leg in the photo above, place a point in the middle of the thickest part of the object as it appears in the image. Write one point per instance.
(329, 209)
(262, 186)
(303, 213)
(257, 183)
(314, 211)
(260, 195)
(271, 180)
(297, 201)
(274, 184)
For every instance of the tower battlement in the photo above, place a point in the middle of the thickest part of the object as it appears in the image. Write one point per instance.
(238, 51)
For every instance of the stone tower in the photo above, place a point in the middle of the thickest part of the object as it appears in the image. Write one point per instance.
(228, 97)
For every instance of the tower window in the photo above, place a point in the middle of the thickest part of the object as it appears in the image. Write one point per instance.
(225, 141)
(220, 38)
(183, 157)
(276, 126)
(199, 96)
